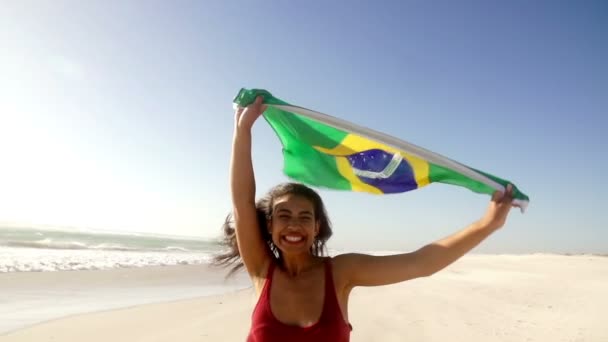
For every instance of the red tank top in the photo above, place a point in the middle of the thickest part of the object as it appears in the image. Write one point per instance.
(265, 327)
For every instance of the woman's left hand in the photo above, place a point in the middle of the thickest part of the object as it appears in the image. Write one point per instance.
(499, 208)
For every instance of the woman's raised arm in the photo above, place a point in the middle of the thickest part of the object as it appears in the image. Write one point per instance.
(252, 249)
(369, 270)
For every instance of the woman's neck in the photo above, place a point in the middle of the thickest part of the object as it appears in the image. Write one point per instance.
(295, 265)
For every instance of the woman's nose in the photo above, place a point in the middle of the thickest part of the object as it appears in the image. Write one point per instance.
(294, 221)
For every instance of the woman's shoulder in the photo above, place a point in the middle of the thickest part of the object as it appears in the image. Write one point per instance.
(343, 265)
(346, 259)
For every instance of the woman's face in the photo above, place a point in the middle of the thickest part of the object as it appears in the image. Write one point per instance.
(293, 225)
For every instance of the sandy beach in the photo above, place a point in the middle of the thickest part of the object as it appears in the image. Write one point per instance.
(479, 298)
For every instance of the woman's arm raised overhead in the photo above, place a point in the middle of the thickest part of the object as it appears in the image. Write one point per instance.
(369, 270)
(251, 245)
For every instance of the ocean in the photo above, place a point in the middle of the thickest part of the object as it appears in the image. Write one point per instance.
(47, 274)
(26, 249)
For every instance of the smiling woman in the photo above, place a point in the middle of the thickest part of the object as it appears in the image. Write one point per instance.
(280, 239)
(293, 223)
(291, 217)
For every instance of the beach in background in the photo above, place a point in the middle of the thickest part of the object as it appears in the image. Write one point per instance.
(61, 249)
(47, 274)
(73, 286)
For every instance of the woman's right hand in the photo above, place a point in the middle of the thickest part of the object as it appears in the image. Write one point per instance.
(246, 117)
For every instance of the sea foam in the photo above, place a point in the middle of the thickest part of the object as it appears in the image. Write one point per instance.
(38, 260)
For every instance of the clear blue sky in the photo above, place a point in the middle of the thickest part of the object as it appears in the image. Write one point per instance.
(117, 115)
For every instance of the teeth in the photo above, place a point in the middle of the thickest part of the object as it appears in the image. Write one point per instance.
(293, 238)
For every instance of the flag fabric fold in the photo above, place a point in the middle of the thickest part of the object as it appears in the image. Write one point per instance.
(324, 151)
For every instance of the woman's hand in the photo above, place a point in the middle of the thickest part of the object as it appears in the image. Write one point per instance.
(245, 117)
(498, 210)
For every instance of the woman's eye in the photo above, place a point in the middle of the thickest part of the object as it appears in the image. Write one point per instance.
(305, 219)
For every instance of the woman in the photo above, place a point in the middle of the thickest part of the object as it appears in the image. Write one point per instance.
(303, 296)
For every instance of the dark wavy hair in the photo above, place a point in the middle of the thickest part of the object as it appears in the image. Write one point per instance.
(231, 256)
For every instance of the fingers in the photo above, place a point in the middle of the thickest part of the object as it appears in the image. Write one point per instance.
(507, 198)
(509, 192)
(257, 104)
(246, 117)
(496, 196)
(257, 107)
(260, 103)
(503, 197)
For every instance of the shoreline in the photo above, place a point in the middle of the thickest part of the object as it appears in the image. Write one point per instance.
(138, 319)
(478, 298)
(122, 308)
(30, 298)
